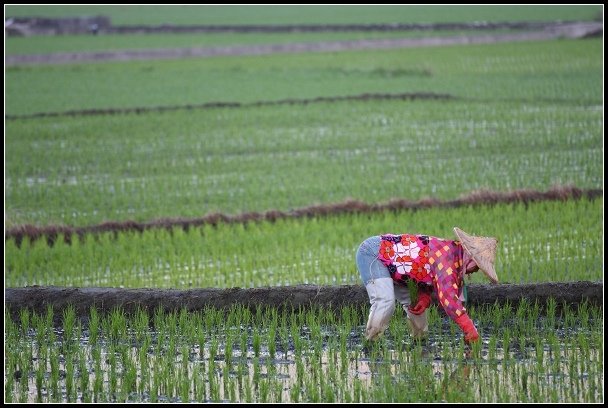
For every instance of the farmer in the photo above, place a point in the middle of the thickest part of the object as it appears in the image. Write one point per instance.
(387, 262)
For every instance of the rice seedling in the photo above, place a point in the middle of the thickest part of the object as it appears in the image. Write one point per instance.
(328, 365)
(69, 379)
(561, 135)
(84, 378)
(99, 374)
(54, 378)
(341, 232)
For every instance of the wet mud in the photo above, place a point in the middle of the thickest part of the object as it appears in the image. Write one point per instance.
(38, 298)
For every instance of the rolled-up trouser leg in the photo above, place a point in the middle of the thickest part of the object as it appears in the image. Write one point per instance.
(381, 294)
(402, 294)
(379, 285)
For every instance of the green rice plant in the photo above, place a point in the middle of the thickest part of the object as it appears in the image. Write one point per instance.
(344, 332)
(551, 313)
(296, 337)
(24, 317)
(506, 343)
(200, 332)
(332, 75)
(54, 377)
(256, 373)
(10, 365)
(24, 365)
(185, 324)
(243, 342)
(143, 363)
(84, 379)
(48, 323)
(41, 370)
(213, 349)
(485, 126)
(354, 226)
(232, 395)
(128, 380)
(69, 379)
(40, 329)
(271, 341)
(113, 374)
(142, 324)
(284, 336)
(228, 350)
(99, 375)
(69, 320)
(264, 391)
(256, 342)
(523, 308)
(295, 393)
(583, 314)
(154, 391)
(556, 354)
(248, 390)
(540, 351)
(199, 387)
(184, 385)
(445, 369)
(118, 324)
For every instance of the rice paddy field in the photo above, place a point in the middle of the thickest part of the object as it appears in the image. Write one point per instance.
(108, 142)
(303, 356)
(306, 14)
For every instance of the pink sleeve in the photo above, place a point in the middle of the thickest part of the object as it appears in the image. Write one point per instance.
(446, 261)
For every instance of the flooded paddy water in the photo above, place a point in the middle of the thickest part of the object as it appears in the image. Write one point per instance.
(305, 356)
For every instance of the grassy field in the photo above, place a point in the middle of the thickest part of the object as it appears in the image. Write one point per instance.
(548, 241)
(285, 14)
(555, 71)
(521, 116)
(121, 42)
(503, 117)
(80, 171)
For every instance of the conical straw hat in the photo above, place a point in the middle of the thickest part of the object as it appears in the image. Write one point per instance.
(482, 250)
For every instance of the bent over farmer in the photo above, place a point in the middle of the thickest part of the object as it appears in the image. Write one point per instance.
(387, 262)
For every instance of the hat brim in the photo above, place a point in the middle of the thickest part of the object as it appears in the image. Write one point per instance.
(482, 250)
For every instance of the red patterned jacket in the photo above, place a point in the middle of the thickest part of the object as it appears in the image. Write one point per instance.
(433, 263)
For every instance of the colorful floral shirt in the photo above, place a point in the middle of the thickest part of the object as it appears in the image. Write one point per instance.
(431, 262)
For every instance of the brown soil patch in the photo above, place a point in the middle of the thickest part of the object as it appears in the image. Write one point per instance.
(482, 197)
(222, 105)
(38, 298)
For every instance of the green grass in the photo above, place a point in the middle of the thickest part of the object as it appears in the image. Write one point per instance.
(547, 241)
(549, 70)
(334, 14)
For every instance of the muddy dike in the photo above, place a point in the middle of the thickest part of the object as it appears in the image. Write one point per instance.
(97, 25)
(38, 298)
(480, 197)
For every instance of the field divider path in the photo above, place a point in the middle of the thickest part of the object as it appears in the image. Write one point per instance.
(105, 299)
(480, 197)
(211, 105)
(550, 32)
